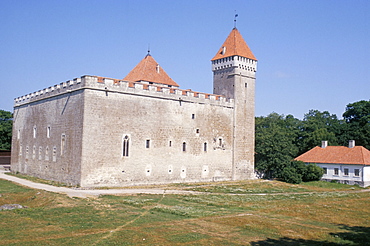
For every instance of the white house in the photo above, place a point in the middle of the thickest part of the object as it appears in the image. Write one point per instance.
(348, 165)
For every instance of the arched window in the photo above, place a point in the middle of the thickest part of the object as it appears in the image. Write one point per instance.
(205, 147)
(184, 146)
(125, 145)
(62, 143)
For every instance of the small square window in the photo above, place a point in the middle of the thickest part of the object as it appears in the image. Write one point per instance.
(357, 172)
(346, 171)
(336, 171)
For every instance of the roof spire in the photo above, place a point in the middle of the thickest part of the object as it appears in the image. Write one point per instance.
(236, 15)
(148, 50)
(234, 45)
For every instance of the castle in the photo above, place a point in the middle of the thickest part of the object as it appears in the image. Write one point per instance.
(143, 129)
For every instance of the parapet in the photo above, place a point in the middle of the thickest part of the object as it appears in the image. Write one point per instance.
(110, 85)
(55, 90)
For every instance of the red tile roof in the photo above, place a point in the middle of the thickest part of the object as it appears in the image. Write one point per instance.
(337, 154)
(149, 70)
(235, 46)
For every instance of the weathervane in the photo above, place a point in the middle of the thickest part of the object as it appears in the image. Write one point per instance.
(148, 50)
(236, 15)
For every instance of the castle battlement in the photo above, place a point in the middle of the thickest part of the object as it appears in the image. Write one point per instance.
(110, 85)
(235, 62)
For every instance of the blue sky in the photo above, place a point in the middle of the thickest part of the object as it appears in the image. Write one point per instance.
(312, 54)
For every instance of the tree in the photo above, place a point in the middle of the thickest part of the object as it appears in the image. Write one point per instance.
(6, 124)
(276, 143)
(319, 126)
(357, 117)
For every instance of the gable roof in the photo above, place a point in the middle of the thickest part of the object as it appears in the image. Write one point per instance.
(337, 154)
(235, 46)
(149, 70)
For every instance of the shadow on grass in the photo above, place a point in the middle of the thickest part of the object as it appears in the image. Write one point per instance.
(354, 235)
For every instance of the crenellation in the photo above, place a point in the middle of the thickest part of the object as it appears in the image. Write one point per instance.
(49, 91)
(138, 86)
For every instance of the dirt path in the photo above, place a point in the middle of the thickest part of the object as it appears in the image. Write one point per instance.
(88, 193)
(71, 192)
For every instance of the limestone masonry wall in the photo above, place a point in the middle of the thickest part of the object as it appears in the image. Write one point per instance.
(73, 132)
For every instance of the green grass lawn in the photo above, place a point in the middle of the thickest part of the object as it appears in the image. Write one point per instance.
(228, 213)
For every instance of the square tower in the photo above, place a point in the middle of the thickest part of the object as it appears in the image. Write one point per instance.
(234, 73)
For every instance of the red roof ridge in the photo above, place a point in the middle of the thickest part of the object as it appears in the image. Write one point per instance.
(234, 45)
(149, 70)
(337, 154)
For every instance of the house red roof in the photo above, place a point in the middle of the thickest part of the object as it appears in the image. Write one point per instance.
(149, 70)
(337, 155)
(234, 45)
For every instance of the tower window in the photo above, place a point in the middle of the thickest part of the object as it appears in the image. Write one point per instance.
(197, 131)
(147, 144)
(48, 132)
(205, 147)
(125, 145)
(170, 144)
(34, 131)
(184, 146)
(193, 116)
(223, 50)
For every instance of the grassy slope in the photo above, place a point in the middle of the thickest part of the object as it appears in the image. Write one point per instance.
(229, 214)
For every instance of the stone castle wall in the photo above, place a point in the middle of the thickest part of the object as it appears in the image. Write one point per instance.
(166, 119)
(47, 137)
(174, 135)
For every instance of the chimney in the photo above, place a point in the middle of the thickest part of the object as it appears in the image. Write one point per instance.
(324, 144)
(351, 144)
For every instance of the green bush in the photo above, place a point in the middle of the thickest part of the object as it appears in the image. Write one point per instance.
(290, 175)
(312, 173)
(298, 171)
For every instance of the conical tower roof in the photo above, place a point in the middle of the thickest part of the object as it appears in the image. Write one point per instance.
(149, 70)
(234, 45)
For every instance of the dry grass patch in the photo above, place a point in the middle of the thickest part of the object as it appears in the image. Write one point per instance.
(307, 214)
